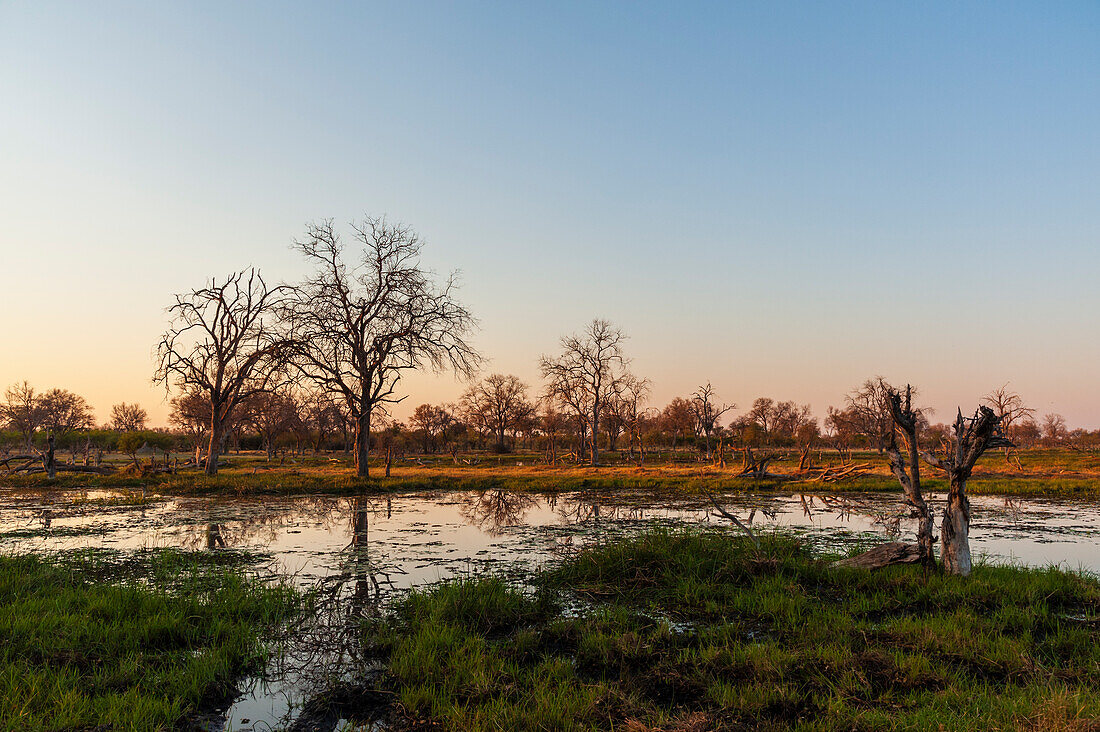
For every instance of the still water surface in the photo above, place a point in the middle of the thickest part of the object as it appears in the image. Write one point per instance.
(357, 553)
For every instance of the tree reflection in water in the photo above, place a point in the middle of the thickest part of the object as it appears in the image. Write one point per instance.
(492, 511)
(214, 538)
(846, 507)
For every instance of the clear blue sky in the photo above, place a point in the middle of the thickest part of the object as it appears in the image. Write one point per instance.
(783, 199)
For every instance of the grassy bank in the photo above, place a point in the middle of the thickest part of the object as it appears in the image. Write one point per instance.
(258, 479)
(92, 641)
(694, 631)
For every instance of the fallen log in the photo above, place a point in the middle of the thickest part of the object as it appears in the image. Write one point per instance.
(883, 555)
(102, 470)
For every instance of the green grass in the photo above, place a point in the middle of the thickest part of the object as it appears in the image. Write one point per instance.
(696, 631)
(1047, 474)
(81, 650)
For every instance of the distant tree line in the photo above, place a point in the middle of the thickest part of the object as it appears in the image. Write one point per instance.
(316, 365)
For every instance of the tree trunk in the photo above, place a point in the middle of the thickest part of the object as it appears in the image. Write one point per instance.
(955, 530)
(883, 555)
(217, 439)
(49, 459)
(595, 433)
(362, 444)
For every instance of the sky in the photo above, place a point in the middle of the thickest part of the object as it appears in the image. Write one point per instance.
(783, 199)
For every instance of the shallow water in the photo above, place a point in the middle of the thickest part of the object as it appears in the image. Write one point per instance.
(358, 552)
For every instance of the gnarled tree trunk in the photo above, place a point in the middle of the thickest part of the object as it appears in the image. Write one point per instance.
(955, 530)
(906, 419)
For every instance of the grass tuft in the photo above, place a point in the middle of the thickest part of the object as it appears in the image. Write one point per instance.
(693, 630)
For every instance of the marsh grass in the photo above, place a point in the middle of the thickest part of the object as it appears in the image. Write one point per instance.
(94, 640)
(694, 630)
(1042, 473)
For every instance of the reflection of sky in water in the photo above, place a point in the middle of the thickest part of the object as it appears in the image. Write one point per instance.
(421, 538)
(366, 547)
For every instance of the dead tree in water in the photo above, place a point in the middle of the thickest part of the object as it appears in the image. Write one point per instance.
(906, 419)
(972, 438)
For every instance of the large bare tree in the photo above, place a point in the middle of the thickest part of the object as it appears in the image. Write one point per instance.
(354, 329)
(224, 343)
(586, 374)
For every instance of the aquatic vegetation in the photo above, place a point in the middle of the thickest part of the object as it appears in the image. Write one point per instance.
(95, 641)
(696, 630)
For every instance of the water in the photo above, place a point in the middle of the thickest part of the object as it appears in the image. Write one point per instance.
(358, 553)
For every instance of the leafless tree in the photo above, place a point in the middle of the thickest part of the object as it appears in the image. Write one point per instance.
(907, 419)
(65, 412)
(432, 422)
(190, 414)
(22, 411)
(632, 396)
(1009, 407)
(1054, 428)
(587, 372)
(678, 419)
(497, 404)
(972, 437)
(271, 414)
(128, 417)
(321, 416)
(707, 411)
(622, 412)
(867, 412)
(224, 343)
(354, 330)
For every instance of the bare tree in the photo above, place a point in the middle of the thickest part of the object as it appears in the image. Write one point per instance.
(1054, 428)
(907, 419)
(224, 343)
(432, 421)
(498, 404)
(22, 411)
(586, 374)
(677, 419)
(128, 417)
(1008, 406)
(707, 411)
(354, 330)
(632, 396)
(270, 414)
(191, 414)
(65, 412)
(972, 437)
(622, 411)
(867, 412)
(321, 416)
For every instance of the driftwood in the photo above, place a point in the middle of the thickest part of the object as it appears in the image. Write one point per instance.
(836, 474)
(757, 467)
(883, 555)
(104, 470)
(723, 513)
